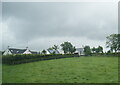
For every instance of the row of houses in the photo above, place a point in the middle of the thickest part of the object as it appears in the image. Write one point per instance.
(9, 51)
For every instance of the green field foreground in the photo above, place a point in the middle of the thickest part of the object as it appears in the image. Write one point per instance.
(66, 70)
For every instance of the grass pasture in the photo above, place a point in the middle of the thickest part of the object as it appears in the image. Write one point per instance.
(65, 70)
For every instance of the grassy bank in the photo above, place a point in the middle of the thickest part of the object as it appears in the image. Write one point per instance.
(66, 70)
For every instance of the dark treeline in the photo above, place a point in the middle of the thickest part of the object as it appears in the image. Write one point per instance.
(112, 42)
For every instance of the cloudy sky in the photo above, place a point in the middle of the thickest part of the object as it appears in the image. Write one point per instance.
(40, 25)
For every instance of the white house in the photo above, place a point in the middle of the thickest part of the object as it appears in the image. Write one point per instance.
(61, 51)
(18, 51)
(52, 51)
(80, 51)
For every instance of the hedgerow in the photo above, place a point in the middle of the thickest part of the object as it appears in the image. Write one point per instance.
(26, 58)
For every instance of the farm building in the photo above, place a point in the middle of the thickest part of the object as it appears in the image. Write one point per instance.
(18, 51)
(80, 51)
(52, 51)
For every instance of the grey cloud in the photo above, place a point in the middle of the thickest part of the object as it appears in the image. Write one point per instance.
(33, 20)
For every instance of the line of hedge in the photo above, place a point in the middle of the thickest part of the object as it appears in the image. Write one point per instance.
(107, 54)
(113, 54)
(26, 58)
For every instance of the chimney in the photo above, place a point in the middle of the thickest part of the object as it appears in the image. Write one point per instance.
(8, 47)
(26, 47)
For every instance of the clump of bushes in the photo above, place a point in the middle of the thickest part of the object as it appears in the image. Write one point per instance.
(26, 58)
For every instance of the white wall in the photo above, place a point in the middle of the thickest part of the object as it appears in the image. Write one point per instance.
(7, 52)
(47, 52)
(27, 52)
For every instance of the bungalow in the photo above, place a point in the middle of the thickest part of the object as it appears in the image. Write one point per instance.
(52, 51)
(34, 52)
(18, 51)
(80, 51)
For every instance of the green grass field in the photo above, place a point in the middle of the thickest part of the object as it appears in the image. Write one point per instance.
(66, 70)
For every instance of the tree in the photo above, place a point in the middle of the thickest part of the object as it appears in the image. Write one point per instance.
(108, 51)
(73, 49)
(50, 48)
(44, 52)
(97, 50)
(67, 47)
(100, 49)
(113, 42)
(55, 47)
(87, 50)
(93, 49)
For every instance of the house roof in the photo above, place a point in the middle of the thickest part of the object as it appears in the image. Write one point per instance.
(33, 52)
(51, 51)
(79, 49)
(17, 51)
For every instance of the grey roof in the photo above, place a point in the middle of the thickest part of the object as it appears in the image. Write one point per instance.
(17, 51)
(51, 51)
(79, 49)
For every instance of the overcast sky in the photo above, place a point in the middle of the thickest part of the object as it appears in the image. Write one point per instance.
(40, 25)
